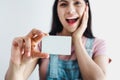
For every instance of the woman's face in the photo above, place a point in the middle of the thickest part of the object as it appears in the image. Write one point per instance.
(70, 13)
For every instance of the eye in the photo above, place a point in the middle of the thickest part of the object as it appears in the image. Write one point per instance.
(77, 3)
(63, 4)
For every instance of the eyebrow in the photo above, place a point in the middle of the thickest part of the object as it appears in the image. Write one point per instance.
(63, 1)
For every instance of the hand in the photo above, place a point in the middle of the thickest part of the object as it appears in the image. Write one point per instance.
(23, 48)
(24, 56)
(83, 25)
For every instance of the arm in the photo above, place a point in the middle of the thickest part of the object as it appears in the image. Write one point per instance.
(19, 73)
(90, 69)
(24, 56)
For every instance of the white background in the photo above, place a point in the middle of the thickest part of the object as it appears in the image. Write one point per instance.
(18, 17)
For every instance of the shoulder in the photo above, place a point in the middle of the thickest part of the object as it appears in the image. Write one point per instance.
(99, 41)
(99, 46)
(96, 41)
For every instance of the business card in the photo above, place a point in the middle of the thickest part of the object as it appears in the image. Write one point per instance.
(58, 45)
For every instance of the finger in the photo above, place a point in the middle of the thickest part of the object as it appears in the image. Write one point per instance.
(36, 40)
(39, 37)
(44, 55)
(33, 33)
(16, 50)
(18, 43)
(84, 20)
(85, 15)
(36, 34)
(27, 48)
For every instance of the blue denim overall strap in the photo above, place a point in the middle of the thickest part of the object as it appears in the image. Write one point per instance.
(53, 67)
(66, 70)
(89, 45)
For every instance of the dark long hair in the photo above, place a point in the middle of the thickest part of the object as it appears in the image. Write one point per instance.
(58, 27)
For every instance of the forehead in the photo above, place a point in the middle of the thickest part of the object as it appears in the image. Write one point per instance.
(69, 0)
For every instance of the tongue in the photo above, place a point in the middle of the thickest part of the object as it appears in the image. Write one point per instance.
(71, 21)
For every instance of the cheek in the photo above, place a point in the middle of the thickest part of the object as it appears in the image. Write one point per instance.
(60, 15)
(59, 12)
(81, 12)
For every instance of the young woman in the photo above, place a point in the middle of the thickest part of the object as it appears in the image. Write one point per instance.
(88, 59)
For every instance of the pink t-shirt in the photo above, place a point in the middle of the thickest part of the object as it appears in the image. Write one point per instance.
(99, 47)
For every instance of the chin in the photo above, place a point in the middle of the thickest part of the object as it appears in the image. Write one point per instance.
(71, 31)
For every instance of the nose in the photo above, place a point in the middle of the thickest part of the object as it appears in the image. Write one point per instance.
(71, 9)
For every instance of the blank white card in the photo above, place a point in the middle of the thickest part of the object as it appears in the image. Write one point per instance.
(59, 45)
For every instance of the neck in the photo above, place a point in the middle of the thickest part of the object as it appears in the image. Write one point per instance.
(64, 33)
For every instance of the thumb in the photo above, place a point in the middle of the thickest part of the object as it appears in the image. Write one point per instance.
(38, 37)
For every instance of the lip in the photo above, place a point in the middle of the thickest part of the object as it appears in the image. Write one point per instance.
(72, 21)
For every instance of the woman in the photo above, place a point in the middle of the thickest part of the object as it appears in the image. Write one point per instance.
(88, 60)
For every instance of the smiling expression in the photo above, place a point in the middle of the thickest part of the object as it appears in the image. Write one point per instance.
(70, 13)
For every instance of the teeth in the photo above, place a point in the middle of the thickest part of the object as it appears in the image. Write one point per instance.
(72, 18)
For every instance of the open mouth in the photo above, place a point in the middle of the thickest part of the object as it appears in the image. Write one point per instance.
(72, 21)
